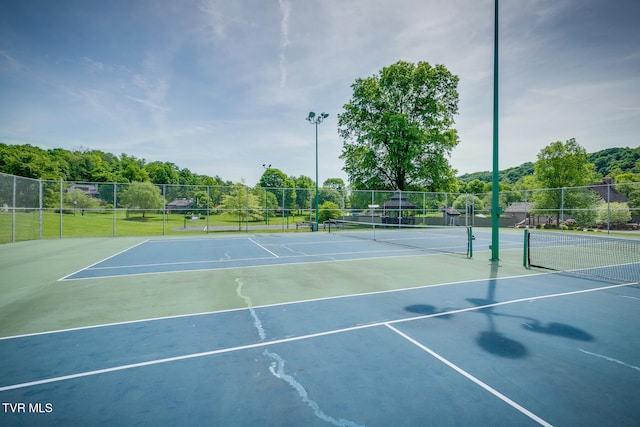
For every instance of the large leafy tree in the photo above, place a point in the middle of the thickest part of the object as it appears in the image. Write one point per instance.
(78, 199)
(242, 203)
(560, 167)
(274, 180)
(397, 129)
(304, 191)
(335, 183)
(141, 196)
(563, 165)
(163, 172)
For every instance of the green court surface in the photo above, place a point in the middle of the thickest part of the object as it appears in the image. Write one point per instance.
(33, 300)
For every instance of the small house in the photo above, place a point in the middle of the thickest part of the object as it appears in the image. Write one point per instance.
(181, 206)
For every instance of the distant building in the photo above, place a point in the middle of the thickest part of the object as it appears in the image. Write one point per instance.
(451, 216)
(607, 192)
(90, 189)
(180, 205)
(398, 210)
(521, 213)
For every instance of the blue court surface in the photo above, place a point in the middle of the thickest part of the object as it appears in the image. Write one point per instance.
(532, 349)
(163, 256)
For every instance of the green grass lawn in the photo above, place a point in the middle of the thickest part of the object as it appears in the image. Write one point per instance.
(92, 224)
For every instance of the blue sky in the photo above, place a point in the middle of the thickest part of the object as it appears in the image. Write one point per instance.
(222, 87)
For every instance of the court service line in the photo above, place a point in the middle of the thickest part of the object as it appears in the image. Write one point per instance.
(316, 258)
(610, 359)
(467, 375)
(286, 340)
(407, 289)
(103, 260)
(208, 313)
(183, 357)
(262, 247)
(215, 261)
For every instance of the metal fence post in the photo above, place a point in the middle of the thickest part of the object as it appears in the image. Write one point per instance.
(115, 208)
(13, 211)
(40, 209)
(608, 207)
(60, 189)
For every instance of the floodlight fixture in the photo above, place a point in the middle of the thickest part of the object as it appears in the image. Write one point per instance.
(316, 120)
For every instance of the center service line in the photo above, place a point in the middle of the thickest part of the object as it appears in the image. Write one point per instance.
(472, 378)
(258, 244)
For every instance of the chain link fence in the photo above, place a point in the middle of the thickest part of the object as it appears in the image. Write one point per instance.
(32, 209)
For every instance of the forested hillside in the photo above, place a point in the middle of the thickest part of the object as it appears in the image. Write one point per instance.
(608, 162)
(94, 166)
(98, 166)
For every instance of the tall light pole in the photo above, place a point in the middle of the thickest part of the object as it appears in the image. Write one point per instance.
(316, 120)
(496, 209)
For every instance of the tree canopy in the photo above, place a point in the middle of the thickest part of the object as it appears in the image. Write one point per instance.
(141, 197)
(274, 180)
(397, 129)
(563, 165)
(84, 165)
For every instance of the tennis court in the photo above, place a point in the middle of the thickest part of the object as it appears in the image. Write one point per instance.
(313, 329)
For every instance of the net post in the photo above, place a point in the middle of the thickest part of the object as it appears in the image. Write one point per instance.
(525, 252)
(470, 240)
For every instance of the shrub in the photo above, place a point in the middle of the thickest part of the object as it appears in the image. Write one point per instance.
(329, 210)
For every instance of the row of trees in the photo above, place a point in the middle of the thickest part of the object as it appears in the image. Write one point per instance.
(84, 165)
(563, 166)
(97, 166)
(561, 187)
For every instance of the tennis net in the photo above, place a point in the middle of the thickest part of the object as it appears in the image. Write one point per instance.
(448, 239)
(605, 258)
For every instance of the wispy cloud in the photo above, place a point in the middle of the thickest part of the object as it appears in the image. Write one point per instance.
(10, 63)
(285, 9)
(214, 18)
(236, 78)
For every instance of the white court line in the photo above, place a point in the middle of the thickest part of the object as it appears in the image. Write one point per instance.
(610, 359)
(177, 358)
(207, 313)
(289, 339)
(103, 260)
(206, 261)
(467, 375)
(386, 252)
(171, 240)
(407, 289)
(262, 247)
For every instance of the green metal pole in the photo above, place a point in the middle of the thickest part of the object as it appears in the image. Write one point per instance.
(13, 211)
(316, 176)
(495, 200)
(525, 251)
(316, 120)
